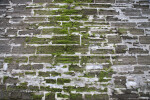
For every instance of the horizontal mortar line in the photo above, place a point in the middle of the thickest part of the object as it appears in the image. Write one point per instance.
(2, 55)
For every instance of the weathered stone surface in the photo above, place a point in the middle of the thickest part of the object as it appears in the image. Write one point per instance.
(23, 50)
(126, 25)
(4, 48)
(43, 1)
(51, 48)
(108, 12)
(4, 1)
(89, 11)
(11, 80)
(138, 50)
(131, 12)
(144, 39)
(125, 60)
(37, 66)
(121, 48)
(114, 39)
(144, 60)
(120, 81)
(20, 1)
(144, 24)
(104, 1)
(137, 31)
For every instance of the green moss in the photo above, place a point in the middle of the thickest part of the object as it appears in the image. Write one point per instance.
(8, 60)
(52, 81)
(76, 68)
(50, 96)
(62, 81)
(33, 26)
(70, 39)
(85, 89)
(88, 96)
(102, 75)
(55, 74)
(37, 97)
(50, 50)
(44, 74)
(35, 40)
(51, 23)
(60, 18)
(66, 12)
(89, 75)
(69, 88)
(122, 31)
(43, 12)
(24, 84)
(76, 96)
(83, 17)
(55, 30)
(70, 73)
(62, 95)
(71, 24)
(5, 78)
(67, 59)
(64, 66)
(50, 89)
(30, 73)
(15, 59)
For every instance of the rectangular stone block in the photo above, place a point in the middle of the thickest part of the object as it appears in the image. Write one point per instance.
(144, 24)
(114, 39)
(104, 1)
(5, 49)
(41, 59)
(144, 60)
(21, 1)
(121, 49)
(107, 12)
(131, 12)
(89, 11)
(23, 50)
(42, 1)
(124, 24)
(135, 31)
(138, 50)
(124, 60)
(144, 39)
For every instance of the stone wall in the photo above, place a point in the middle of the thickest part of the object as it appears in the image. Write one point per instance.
(74, 49)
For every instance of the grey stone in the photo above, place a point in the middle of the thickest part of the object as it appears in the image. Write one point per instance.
(144, 60)
(114, 39)
(23, 50)
(121, 48)
(4, 1)
(89, 11)
(125, 60)
(42, 1)
(4, 49)
(108, 12)
(124, 24)
(104, 1)
(21, 1)
(132, 12)
(37, 66)
(144, 39)
(11, 80)
(138, 50)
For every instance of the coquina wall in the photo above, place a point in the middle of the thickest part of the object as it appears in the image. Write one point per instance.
(76, 50)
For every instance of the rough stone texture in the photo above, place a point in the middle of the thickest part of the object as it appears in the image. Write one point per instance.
(74, 50)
